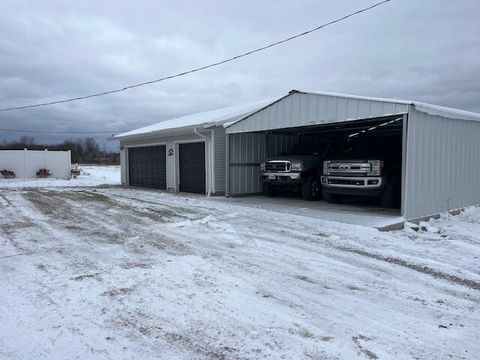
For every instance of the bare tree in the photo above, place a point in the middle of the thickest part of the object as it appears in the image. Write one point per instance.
(27, 140)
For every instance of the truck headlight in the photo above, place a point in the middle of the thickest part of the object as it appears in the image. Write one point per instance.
(325, 167)
(297, 166)
(376, 167)
(262, 166)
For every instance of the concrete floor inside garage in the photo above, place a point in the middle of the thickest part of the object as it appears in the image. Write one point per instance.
(355, 212)
(358, 211)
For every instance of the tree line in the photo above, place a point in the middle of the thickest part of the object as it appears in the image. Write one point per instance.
(83, 150)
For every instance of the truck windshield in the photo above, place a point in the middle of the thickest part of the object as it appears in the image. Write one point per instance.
(383, 146)
(310, 148)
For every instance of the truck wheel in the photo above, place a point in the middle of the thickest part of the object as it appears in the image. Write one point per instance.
(269, 190)
(332, 198)
(390, 197)
(311, 188)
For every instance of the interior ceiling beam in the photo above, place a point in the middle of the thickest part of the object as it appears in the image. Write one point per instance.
(387, 128)
(359, 128)
(341, 127)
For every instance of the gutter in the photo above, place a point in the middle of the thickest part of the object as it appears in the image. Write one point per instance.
(162, 132)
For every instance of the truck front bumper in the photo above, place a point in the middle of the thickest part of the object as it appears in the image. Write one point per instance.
(354, 182)
(282, 177)
(353, 185)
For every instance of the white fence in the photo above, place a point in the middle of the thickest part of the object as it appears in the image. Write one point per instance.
(25, 163)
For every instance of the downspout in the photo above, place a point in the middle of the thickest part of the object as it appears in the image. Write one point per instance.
(209, 162)
(227, 165)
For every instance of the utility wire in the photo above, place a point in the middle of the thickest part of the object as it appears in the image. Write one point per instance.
(221, 62)
(64, 132)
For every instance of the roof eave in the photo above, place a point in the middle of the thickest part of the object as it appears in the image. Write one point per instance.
(164, 132)
(447, 112)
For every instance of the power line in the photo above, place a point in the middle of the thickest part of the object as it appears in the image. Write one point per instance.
(64, 132)
(221, 62)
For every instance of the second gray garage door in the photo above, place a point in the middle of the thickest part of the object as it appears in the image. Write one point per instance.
(192, 167)
(147, 167)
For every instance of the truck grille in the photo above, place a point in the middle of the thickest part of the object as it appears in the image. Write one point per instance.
(350, 168)
(277, 166)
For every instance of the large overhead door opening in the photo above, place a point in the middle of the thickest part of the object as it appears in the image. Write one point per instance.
(147, 166)
(365, 161)
(192, 167)
(344, 162)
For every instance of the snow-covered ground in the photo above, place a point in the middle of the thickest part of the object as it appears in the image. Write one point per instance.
(90, 175)
(113, 273)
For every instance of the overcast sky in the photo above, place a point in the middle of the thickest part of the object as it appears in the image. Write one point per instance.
(425, 50)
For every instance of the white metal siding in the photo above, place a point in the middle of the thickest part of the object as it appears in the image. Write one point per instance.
(219, 158)
(171, 165)
(300, 109)
(443, 164)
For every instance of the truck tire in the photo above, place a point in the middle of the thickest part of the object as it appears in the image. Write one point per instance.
(269, 190)
(390, 196)
(311, 188)
(332, 198)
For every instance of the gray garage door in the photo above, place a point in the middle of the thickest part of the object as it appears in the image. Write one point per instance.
(192, 167)
(147, 167)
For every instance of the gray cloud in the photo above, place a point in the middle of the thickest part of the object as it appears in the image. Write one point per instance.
(427, 51)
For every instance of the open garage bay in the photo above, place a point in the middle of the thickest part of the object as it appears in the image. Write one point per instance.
(351, 148)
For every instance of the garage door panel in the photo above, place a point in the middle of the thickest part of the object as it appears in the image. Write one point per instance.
(147, 166)
(192, 167)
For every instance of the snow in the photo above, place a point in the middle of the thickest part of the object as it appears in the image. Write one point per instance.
(113, 273)
(210, 118)
(90, 175)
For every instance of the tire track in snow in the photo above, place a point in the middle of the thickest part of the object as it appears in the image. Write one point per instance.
(392, 260)
(472, 284)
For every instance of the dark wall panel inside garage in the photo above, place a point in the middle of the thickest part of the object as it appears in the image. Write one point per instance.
(147, 166)
(246, 152)
(192, 167)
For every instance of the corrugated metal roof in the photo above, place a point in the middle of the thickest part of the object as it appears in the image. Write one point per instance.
(204, 119)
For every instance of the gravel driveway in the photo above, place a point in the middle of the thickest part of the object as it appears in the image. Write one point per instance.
(112, 273)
